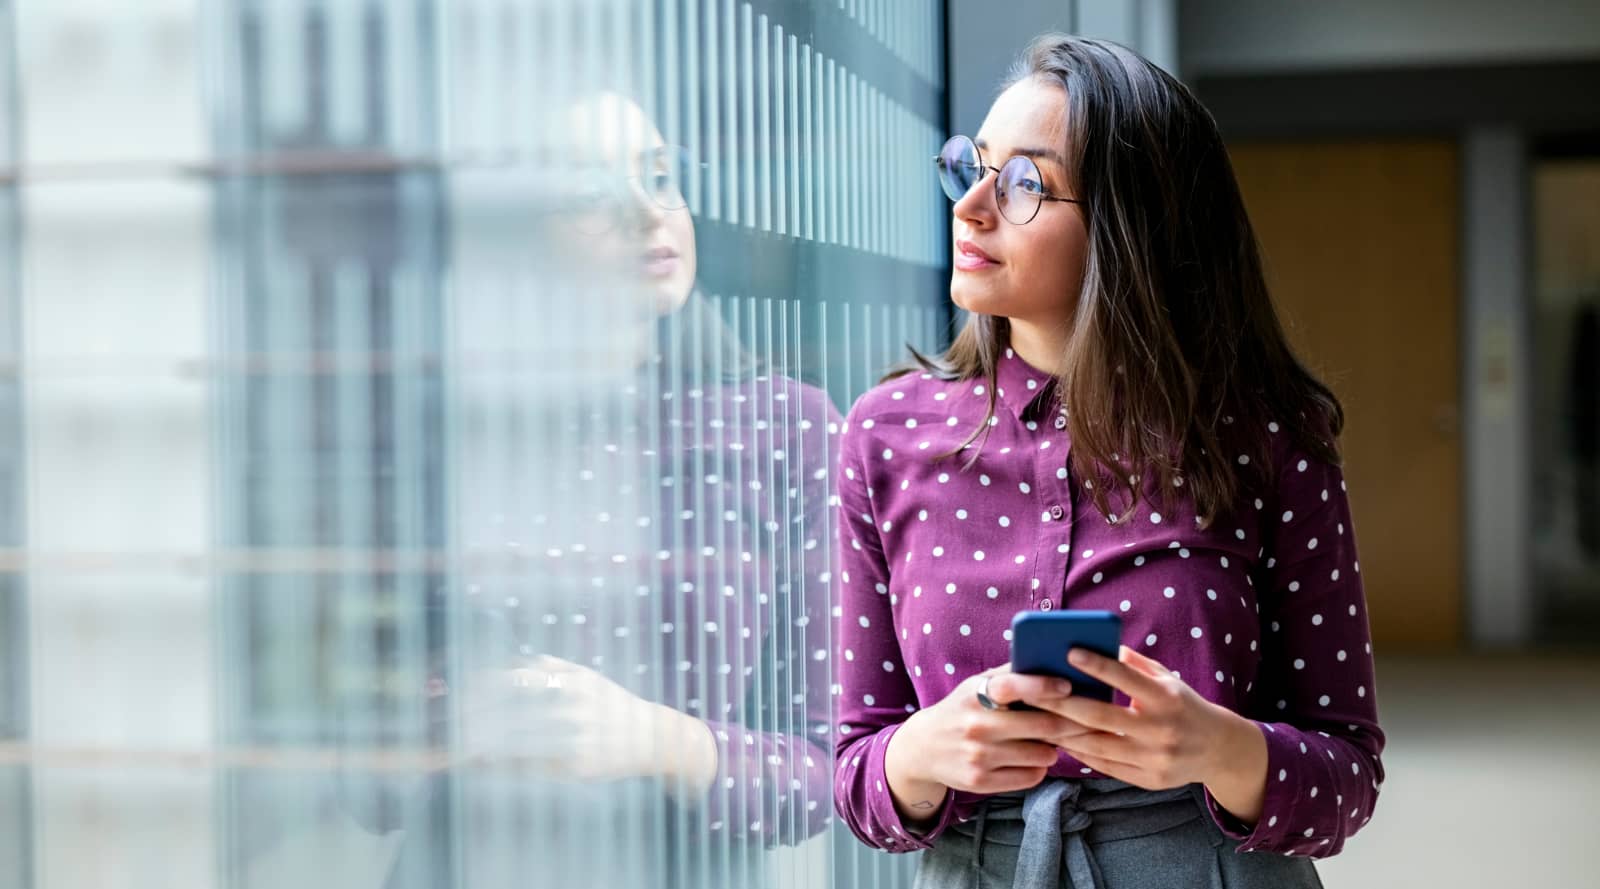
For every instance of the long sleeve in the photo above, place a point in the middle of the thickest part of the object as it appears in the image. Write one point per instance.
(871, 668)
(1315, 701)
(774, 764)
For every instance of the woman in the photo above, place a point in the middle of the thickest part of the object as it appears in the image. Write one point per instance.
(1119, 426)
(645, 566)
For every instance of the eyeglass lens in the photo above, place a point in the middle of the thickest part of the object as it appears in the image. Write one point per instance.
(1017, 186)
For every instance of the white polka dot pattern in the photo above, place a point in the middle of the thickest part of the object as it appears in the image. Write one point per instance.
(702, 579)
(1200, 600)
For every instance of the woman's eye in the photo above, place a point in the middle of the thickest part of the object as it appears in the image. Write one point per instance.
(1031, 186)
(661, 182)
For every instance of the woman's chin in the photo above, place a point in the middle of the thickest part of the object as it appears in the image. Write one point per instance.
(670, 296)
(980, 303)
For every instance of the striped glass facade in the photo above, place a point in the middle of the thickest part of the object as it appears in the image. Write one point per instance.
(417, 426)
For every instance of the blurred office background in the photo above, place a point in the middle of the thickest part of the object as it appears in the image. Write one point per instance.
(358, 359)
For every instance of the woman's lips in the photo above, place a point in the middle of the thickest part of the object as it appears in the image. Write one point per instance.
(660, 262)
(971, 258)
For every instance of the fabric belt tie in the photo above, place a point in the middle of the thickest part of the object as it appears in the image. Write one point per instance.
(1060, 818)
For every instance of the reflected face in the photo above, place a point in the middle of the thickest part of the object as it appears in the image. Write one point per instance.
(1029, 272)
(632, 221)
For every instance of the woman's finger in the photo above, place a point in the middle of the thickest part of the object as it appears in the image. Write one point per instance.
(1073, 730)
(1036, 725)
(1095, 714)
(1105, 746)
(552, 664)
(1122, 771)
(1149, 666)
(1008, 688)
(527, 677)
(1116, 674)
(1009, 779)
(1022, 754)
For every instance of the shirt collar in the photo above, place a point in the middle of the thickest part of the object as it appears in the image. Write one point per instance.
(1025, 389)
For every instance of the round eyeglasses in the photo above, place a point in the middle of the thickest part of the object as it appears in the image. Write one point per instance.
(664, 173)
(1018, 187)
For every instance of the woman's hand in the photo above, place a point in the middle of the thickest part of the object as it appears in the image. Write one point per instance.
(1168, 736)
(959, 744)
(605, 732)
(571, 723)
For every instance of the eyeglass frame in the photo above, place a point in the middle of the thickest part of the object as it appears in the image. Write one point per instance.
(1043, 196)
(621, 199)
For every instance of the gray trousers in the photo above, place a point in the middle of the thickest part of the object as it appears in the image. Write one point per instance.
(1101, 834)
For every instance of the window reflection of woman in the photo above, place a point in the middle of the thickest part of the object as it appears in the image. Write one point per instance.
(661, 671)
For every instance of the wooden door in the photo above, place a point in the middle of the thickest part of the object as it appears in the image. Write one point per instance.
(1360, 241)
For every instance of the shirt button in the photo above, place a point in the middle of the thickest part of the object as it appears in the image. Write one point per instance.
(1045, 605)
(1056, 512)
(1061, 422)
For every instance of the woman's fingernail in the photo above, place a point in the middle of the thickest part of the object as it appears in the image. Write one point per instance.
(1063, 687)
(1077, 657)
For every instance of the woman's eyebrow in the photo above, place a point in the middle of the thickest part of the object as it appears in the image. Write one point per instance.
(1046, 153)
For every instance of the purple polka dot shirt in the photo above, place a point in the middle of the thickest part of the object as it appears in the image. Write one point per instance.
(1262, 612)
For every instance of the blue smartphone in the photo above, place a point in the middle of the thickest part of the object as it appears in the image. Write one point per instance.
(1040, 641)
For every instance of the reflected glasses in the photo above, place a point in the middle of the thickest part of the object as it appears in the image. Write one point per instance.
(663, 179)
(665, 176)
(1018, 187)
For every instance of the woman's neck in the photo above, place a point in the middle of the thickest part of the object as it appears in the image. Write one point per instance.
(642, 346)
(1040, 346)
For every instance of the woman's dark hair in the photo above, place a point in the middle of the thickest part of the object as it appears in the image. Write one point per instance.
(1176, 362)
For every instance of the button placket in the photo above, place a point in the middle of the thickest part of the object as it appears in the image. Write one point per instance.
(1048, 466)
(1064, 504)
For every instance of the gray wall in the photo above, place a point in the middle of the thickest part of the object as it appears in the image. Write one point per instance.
(986, 35)
(1225, 36)
(982, 45)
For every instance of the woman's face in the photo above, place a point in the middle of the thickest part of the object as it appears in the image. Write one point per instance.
(630, 233)
(1029, 272)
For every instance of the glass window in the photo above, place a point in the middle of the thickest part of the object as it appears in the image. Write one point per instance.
(421, 425)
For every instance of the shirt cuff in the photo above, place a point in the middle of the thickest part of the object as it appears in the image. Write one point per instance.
(735, 791)
(897, 835)
(1271, 830)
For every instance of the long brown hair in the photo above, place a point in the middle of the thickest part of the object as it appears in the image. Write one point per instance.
(1176, 362)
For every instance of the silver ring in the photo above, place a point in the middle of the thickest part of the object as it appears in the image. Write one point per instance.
(530, 677)
(983, 695)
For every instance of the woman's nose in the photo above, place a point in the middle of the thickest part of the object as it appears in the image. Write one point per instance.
(639, 207)
(977, 205)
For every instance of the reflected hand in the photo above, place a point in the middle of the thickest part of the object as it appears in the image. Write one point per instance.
(501, 716)
(601, 731)
(569, 722)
